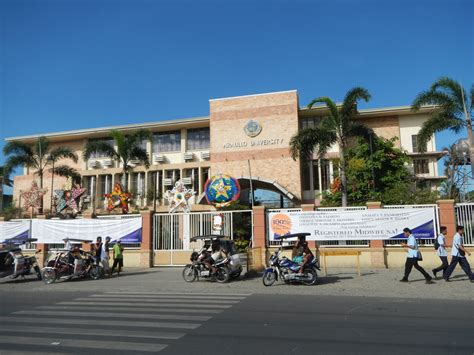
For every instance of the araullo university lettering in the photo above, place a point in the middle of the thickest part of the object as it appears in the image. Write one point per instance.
(254, 143)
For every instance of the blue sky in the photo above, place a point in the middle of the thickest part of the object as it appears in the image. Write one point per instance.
(80, 64)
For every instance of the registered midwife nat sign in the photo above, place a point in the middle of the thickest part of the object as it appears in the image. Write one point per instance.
(355, 225)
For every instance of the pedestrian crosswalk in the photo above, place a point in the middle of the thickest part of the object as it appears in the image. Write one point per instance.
(118, 322)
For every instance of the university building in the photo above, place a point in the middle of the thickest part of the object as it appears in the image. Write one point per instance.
(246, 137)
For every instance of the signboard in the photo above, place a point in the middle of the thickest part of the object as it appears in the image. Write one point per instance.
(355, 225)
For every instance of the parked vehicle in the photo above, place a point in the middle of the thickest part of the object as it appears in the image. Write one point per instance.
(13, 263)
(65, 265)
(227, 268)
(280, 267)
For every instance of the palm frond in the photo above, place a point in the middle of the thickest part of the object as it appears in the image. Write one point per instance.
(120, 142)
(349, 105)
(430, 97)
(6, 177)
(62, 153)
(470, 105)
(41, 147)
(16, 161)
(17, 148)
(437, 123)
(357, 129)
(141, 155)
(329, 103)
(450, 86)
(94, 146)
(309, 140)
(65, 170)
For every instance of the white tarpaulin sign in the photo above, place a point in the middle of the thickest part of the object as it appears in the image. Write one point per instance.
(354, 225)
(128, 230)
(15, 232)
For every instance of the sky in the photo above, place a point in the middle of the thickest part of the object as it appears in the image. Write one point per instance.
(69, 64)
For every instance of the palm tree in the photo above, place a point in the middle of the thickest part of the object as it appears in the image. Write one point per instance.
(61, 170)
(337, 128)
(129, 147)
(36, 156)
(4, 180)
(454, 109)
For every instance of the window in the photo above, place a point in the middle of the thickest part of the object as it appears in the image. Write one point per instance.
(414, 144)
(198, 138)
(167, 142)
(105, 184)
(421, 166)
(310, 122)
(321, 175)
(100, 154)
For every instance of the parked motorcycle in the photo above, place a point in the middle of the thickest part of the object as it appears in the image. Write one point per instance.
(64, 265)
(13, 263)
(287, 270)
(198, 269)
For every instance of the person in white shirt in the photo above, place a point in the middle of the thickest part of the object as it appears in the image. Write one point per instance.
(442, 253)
(105, 256)
(412, 257)
(458, 255)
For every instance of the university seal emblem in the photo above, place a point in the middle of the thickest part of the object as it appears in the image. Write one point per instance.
(252, 128)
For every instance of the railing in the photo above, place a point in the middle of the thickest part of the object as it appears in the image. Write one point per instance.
(427, 242)
(465, 217)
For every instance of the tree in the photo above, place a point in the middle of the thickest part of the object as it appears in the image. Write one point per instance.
(456, 175)
(129, 147)
(4, 177)
(379, 173)
(454, 110)
(61, 170)
(38, 156)
(337, 128)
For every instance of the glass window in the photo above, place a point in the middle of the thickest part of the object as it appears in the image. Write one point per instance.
(167, 142)
(310, 122)
(100, 154)
(421, 166)
(414, 144)
(325, 174)
(198, 138)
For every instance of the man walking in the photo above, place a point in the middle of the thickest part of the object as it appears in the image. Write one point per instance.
(458, 255)
(118, 257)
(97, 250)
(105, 256)
(442, 253)
(412, 257)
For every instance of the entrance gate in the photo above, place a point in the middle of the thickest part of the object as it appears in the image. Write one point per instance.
(173, 231)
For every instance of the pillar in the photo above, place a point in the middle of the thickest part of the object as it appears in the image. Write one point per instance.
(41, 248)
(146, 247)
(377, 249)
(447, 218)
(259, 236)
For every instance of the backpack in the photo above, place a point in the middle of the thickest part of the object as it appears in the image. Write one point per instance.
(436, 244)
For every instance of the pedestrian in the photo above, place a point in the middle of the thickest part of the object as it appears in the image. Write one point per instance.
(105, 256)
(118, 257)
(97, 250)
(412, 257)
(458, 255)
(441, 251)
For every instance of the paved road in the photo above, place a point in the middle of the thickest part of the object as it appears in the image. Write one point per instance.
(74, 317)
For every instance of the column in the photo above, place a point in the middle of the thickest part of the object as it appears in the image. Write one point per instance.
(259, 237)
(377, 248)
(41, 248)
(447, 218)
(146, 247)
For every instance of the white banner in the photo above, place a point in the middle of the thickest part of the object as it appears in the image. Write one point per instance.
(50, 231)
(354, 225)
(14, 230)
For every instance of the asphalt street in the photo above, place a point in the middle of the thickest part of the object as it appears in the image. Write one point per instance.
(109, 317)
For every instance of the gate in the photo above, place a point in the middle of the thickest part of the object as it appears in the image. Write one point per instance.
(465, 217)
(173, 232)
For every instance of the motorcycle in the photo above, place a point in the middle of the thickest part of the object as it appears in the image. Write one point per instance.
(13, 263)
(197, 269)
(287, 270)
(64, 265)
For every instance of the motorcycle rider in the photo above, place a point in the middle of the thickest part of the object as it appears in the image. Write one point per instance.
(205, 256)
(302, 252)
(218, 253)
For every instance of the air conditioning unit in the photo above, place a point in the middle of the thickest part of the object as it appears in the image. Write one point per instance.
(93, 164)
(187, 181)
(205, 155)
(188, 156)
(134, 161)
(168, 182)
(159, 158)
(107, 162)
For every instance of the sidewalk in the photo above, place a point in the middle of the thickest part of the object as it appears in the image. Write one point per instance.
(339, 282)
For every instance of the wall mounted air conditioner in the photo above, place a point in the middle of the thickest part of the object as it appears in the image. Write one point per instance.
(168, 182)
(187, 181)
(188, 156)
(159, 159)
(205, 155)
(107, 162)
(93, 164)
(134, 161)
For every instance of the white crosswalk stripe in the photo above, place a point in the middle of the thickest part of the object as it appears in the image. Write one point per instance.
(118, 321)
